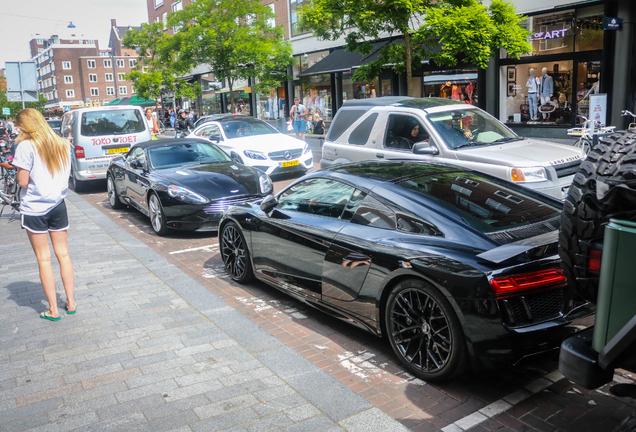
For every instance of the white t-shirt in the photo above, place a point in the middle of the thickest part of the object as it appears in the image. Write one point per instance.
(44, 191)
(297, 111)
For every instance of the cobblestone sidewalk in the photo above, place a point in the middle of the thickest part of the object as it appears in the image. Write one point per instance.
(149, 349)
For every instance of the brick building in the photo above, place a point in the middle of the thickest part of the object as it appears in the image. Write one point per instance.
(73, 71)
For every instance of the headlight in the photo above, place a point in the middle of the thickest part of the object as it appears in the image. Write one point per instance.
(186, 195)
(306, 150)
(255, 155)
(266, 183)
(528, 175)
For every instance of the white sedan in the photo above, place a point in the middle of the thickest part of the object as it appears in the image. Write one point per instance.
(255, 143)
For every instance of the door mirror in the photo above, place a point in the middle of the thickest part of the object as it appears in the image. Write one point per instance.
(425, 148)
(135, 164)
(269, 203)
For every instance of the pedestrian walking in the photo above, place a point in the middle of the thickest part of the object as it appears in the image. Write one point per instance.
(172, 118)
(153, 126)
(298, 112)
(43, 159)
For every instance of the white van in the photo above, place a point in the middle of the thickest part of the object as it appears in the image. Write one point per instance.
(99, 134)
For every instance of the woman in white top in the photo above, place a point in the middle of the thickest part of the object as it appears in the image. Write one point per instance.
(43, 160)
(153, 127)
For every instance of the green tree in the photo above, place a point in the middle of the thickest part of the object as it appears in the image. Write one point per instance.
(236, 38)
(446, 31)
(155, 73)
(17, 106)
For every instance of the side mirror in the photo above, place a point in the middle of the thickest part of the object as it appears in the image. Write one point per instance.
(135, 164)
(269, 203)
(425, 148)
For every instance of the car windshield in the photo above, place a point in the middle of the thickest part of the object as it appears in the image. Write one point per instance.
(241, 128)
(181, 154)
(112, 122)
(55, 124)
(470, 128)
(487, 204)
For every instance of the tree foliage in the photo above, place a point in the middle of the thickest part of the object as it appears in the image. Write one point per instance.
(155, 72)
(447, 32)
(236, 38)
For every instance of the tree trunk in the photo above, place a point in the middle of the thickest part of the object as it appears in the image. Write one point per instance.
(231, 86)
(409, 69)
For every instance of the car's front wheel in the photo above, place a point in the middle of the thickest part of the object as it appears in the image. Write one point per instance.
(113, 197)
(234, 253)
(157, 216)
(424, 331)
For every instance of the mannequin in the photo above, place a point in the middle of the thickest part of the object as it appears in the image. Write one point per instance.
(546, 89)
(533, 90)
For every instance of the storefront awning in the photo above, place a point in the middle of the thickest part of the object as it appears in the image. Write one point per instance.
(441, 79)
(340, 60)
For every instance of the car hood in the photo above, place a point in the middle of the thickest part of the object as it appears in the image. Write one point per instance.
(524, 153)
(266, 143)
(215, 181)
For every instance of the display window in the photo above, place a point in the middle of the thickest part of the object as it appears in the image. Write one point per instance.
(358, 89)
(537, 93)
(459, 85)
(271, 105)
(314, 93)
(589, 75)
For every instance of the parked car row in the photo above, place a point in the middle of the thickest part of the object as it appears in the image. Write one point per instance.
(431, 224)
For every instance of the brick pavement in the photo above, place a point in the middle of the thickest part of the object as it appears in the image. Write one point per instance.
(532, 396)
(150, 348)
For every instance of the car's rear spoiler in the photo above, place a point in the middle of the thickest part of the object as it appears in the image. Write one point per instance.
(502, 253)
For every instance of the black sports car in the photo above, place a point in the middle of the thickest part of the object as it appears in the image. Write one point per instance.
(454, 266)
(182, 183)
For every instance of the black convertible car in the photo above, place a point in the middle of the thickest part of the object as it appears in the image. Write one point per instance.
(453, 266)
(182, 183)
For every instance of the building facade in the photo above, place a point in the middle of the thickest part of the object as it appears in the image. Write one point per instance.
(73, 71)
(579, 55)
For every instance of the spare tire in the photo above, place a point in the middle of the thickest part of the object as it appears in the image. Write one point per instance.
(603, 188)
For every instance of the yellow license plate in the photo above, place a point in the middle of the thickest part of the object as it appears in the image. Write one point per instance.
(117, 150)
(288, 164)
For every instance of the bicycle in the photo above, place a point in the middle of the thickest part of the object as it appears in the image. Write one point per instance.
(632, 126)
(9, 188)
(586, 140)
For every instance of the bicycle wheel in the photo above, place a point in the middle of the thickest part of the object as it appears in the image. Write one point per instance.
(583, 143)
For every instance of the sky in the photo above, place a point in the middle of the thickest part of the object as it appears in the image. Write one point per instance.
(25, 18)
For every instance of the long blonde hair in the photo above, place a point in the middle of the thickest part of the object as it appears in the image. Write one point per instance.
(52, 148)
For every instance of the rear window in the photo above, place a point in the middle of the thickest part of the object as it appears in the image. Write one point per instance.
(487, 204)
(112, 122)
(344, 119)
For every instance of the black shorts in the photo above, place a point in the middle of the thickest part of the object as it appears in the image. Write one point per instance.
(55, 219)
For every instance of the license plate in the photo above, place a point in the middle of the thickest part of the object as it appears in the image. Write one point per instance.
(288, 164)
(117, 150)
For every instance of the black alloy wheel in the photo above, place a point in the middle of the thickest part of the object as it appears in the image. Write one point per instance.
(424, 331)
(235, 255)
(157, 217)
(113, 197)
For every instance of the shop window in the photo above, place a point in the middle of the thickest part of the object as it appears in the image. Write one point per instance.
(271, 106)
(316, 96)
(551, 33)
(358, 89)
(531, 96)
(589, 28)
(459, 85)
(589, 74)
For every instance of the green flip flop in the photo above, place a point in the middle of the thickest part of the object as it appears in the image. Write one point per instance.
(45, 315)
(68, 311)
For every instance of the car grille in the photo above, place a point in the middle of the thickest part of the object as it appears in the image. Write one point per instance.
(533, 308)
(222, 205)
(524, 232)
(567, 169)
(280, 155)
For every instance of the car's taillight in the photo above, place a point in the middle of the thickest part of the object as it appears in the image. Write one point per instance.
(594, 262)
(79, 152)
(509, 286)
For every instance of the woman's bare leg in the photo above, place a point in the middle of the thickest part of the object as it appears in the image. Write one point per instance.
(40, 244)
(60, 246)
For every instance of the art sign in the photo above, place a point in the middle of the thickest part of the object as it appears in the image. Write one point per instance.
(547, 35)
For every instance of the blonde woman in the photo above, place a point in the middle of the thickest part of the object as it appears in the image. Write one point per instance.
(153, 127)
(43, 160)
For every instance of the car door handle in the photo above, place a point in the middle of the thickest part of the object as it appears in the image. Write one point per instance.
(379, 155)
(355, 259)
